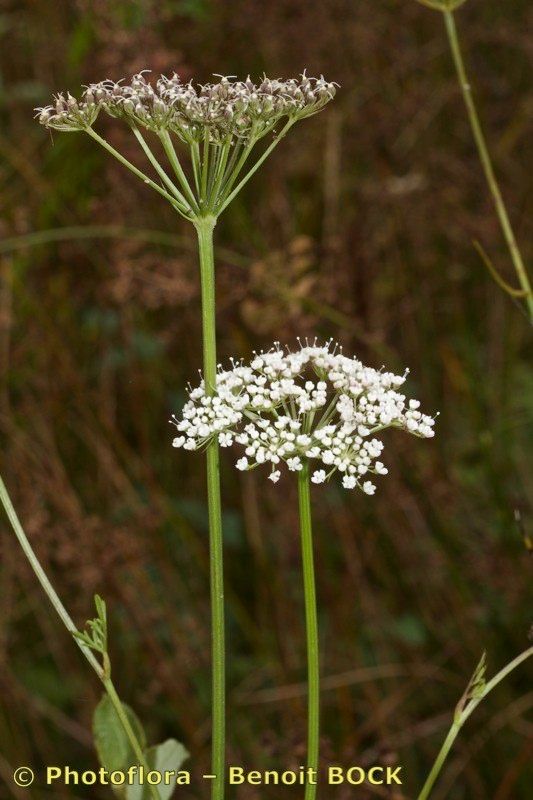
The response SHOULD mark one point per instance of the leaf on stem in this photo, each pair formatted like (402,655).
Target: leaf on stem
(112,745)
(475,688)
(95,633)
(168,756)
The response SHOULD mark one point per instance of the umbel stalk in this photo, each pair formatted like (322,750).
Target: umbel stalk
(311,623)
(204,227)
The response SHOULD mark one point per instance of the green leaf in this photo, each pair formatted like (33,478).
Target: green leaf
(475,689)
(169,755)
(112,744)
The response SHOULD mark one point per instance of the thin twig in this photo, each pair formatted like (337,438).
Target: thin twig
(486,161)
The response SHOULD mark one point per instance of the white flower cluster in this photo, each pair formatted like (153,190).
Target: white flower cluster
(315,404)
(224,110)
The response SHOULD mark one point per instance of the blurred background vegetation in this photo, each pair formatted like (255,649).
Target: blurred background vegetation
(359,228)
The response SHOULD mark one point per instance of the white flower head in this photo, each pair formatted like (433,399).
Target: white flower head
(314,405)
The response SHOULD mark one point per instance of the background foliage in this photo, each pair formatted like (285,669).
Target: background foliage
(360,228)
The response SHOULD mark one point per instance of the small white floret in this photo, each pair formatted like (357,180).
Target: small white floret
(319,476)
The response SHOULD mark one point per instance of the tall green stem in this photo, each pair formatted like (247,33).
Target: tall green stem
(486,161)
(311,621)
(204,228)
(67,621)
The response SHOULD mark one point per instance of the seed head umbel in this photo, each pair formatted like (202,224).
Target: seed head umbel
(68,114)
(228,108)
(219,123)
(314,404)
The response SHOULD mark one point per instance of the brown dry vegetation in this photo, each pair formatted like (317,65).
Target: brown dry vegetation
(360,228)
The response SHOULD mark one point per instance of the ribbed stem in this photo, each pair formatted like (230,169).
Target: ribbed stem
(311,622)
(204,228)
(439,762)
(486,162)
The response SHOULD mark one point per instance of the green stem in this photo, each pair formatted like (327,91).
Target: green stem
(256,166)
(205,167)
(67,621)
(462,718)
(205,227)
(160,171)
(229,174)
(313,666)
(235,167)
(196,165)
(172,156)
(486,161)
(219,172)
(145,179)
(439,761)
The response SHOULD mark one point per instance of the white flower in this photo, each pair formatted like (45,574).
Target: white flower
(294,464)
(274,476)
(311,405)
